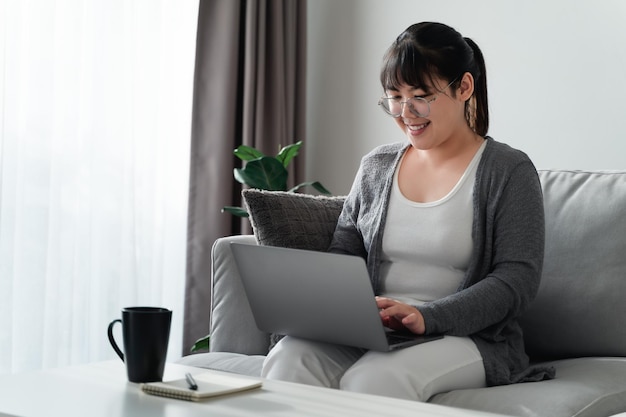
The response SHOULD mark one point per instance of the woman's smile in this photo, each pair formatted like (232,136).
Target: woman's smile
(416,129)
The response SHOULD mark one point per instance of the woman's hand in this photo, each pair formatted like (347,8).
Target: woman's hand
(398,316)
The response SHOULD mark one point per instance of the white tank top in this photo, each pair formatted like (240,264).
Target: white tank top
(427,246)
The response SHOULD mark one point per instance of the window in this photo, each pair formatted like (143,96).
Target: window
(95,117)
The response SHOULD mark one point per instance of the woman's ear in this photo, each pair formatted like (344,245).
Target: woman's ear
(466,87)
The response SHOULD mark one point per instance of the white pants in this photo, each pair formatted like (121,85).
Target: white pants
(413,373)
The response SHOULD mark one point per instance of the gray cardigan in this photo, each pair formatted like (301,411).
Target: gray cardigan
(505,270)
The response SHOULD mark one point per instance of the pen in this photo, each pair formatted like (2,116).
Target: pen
(192,383)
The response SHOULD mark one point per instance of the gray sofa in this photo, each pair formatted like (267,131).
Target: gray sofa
(576,322)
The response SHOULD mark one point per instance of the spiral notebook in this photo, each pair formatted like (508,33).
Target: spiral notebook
(209,385)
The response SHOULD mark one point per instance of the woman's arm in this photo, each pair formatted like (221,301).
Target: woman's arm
(347,239)
(514,234)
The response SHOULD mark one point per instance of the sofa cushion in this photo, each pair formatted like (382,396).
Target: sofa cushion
(579,308)
(584,387)
(237,363)
(292,220)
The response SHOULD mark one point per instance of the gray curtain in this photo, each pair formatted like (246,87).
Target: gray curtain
(249,88)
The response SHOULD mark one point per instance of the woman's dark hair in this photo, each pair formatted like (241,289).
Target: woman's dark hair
(428,50)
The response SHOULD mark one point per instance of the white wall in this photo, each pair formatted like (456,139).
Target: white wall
(556,78)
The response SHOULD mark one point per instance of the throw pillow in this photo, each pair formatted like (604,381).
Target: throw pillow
(292,220)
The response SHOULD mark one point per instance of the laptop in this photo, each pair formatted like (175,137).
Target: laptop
(314,295)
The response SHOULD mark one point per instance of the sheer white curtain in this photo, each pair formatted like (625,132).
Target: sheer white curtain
(95,119)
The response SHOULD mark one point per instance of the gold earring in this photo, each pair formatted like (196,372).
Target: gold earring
(470,112)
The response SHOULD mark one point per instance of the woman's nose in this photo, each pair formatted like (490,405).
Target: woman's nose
(405,109)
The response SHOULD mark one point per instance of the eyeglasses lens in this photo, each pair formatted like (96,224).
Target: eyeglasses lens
(417,106)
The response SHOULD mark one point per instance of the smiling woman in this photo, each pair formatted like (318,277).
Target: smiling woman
(95,104)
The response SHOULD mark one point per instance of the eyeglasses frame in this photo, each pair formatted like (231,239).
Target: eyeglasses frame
(411,107)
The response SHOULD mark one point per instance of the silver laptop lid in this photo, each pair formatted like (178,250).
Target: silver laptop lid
(315,295)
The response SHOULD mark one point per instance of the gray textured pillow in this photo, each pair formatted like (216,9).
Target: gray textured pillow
(292,220)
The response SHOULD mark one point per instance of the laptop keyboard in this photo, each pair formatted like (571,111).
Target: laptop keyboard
(394,338)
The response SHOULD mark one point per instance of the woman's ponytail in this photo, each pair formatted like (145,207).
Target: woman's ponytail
(477,108)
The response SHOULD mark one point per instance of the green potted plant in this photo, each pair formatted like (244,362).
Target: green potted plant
(267,172)
(264,173)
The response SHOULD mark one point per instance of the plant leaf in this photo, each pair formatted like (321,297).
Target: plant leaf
(265,173)
(319,187)
(287,153)
(247,153)
(236,211)
(201,344)
(315,184)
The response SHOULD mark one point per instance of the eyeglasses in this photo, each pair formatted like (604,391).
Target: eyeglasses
(419,106)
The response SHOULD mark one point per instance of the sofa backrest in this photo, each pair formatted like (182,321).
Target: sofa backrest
(580,308)
(578,311)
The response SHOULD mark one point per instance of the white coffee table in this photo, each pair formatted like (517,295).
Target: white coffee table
(101,389)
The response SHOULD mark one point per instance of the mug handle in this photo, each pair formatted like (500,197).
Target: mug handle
(112,339)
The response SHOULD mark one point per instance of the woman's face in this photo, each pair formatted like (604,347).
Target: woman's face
(446,116)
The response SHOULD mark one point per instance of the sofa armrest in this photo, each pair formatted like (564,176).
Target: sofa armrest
(232,325)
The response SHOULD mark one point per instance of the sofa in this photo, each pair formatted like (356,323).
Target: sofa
(576,323)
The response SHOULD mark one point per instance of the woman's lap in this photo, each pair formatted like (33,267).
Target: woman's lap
(415,373)
(308,362)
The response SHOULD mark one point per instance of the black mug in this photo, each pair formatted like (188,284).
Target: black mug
(146,333)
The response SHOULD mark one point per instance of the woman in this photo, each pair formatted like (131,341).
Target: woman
(451,225)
